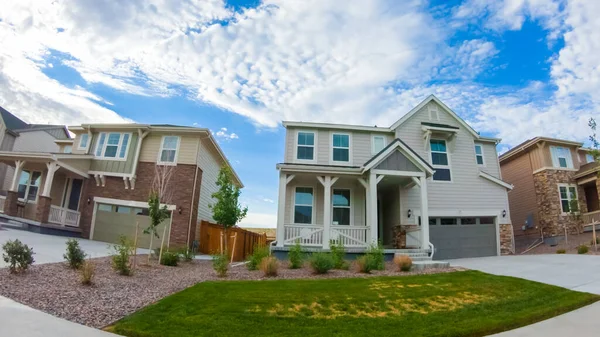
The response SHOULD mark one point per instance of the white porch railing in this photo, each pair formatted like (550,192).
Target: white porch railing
(591,217)
(2,200)
(351,236)
(306,235)
(64,216)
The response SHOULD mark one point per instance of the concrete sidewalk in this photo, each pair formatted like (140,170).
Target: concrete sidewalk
(19,320)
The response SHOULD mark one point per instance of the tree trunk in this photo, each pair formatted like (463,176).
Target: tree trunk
(225,241)
(150,248)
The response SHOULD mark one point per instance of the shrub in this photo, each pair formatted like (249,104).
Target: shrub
(87,272)
(561,251)
(259,253)
(321,263)
(296,256)
(597,241)
(18,256)
(376,252)
(169,259)
(269,266)
(220,264)
(583,249)
(366,264)
(120,259)
(403,262)
(74,254)
(337,254)
(186,254)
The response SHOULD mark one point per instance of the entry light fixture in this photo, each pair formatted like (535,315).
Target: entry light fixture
(409,213)
(504,213)
(89,200)
(180,209)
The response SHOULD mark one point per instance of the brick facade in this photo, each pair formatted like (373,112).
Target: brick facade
(506,239)
(550,214)
(184,197)
(10,204)
(42,210)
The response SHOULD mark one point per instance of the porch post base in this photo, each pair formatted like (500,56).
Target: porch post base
(42,211)
(10,204)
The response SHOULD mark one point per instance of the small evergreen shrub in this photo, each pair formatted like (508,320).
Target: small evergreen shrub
(321,263)
(269,266)
(120,259)
(87,272)
(296,256)
(561,251)
(186,254)
(583,249)
(220,264)
(366,264)
(337,254)
(169,259)
(403,262)
(376,252)
(258,254)
(74,254)
(18,256)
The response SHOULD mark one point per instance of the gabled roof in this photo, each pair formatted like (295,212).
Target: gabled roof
(530,142)
(496,180)
(444,107)
(11,121)
(398,144)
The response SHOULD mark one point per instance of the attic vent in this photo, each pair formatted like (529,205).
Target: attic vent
(433,113)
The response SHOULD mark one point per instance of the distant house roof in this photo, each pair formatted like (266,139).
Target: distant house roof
(530,142)
(16,125)
(11,121)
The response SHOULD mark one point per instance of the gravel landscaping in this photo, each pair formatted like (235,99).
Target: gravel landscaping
(55,289)
(571,248)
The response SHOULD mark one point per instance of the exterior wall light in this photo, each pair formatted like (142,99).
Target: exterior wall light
(409,213)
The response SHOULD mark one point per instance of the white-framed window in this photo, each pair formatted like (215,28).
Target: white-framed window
(303,205)
(83,141)
(561,157)
(105,208)
(568,198)
(169,146)
(479,154)
(29,185)
(67,149)
(113,145)
(440,160)
(341,206)
(378,143)
(589,158)
(340,149)
(305,145)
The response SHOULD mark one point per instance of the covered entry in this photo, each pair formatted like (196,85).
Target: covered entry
(463,237)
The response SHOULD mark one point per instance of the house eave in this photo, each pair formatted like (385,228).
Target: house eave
(496,180)
(336,126)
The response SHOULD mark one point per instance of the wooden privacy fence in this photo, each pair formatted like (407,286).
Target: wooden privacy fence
(240,241)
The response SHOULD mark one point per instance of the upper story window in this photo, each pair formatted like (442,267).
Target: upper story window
(112,145)
(168,150)
(479,154)
(303,205)
(341,147)
(439,160)
(589,158)
(561,157)
(305,146)
(341,207)
(83,141)
(568,198)
(67,149)
(29,184)
(378,143)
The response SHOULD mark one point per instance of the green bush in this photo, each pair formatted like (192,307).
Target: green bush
(296,256)
(18,256)
(561,251)
(583,249)
(376,252)
(259,253)
(120,259)
(337,254)
(366,264)
(220,264)
(186,254)
(321,263)
(74,254)
(169,259)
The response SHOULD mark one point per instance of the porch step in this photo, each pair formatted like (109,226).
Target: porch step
(14,224)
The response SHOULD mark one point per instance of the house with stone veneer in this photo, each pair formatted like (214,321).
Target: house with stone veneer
(100,187)
(555,187)
(429,186)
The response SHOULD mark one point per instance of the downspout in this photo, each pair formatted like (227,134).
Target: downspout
(194,192)
(141,136)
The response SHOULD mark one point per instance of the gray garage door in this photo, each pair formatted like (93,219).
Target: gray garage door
(455,238)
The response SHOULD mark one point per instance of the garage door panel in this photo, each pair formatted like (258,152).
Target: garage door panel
(459,241)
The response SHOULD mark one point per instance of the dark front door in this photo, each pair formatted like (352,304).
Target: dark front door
(591,197)
(76,186)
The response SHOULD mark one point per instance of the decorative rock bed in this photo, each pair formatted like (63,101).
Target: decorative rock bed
(55,289)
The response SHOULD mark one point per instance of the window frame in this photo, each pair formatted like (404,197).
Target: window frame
(334,162)
(482,155)
(448,167)
(119,146)
(314,146)
(79,147)
(28,185)
(569,159)
(160,150)
(373,150)
(69,147)
(560,199)
(587,158)
(313,206)
(351,215)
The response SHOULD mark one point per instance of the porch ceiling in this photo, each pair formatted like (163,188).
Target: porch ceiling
(69,163)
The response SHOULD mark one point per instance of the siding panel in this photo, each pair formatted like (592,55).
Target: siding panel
(210,163)
(522,199)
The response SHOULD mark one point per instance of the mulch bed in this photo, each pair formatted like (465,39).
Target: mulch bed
(56,289)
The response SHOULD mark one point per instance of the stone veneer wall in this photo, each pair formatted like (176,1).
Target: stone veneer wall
(506,239)
(551,218)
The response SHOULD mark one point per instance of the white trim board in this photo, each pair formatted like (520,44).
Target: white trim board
(129,203)
(496,180)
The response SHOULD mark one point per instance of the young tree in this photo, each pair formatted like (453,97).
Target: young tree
(161,193)
(227,211)
(595,152)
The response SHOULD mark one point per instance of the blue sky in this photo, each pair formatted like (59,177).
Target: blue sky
(514,69)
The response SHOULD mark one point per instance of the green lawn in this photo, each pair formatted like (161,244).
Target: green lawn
(450,304)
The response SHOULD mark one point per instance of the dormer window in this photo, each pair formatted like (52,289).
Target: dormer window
(83,141)
(305,146)
(589,158)
(561,157)
(341,147)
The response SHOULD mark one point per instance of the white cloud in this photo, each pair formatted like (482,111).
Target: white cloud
(223,134)
(271,201)
(259,220)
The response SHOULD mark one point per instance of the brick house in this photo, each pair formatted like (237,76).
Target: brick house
(555,187)
(100,189)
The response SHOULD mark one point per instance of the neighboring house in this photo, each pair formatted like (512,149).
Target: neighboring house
(427,180)
(17,135)
(553,178)
(97,185)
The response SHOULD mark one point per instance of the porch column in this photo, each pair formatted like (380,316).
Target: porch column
(12,196)
(52,168)
(424,214)
(284,179)
(18,169)
(42,211)
(372,207)
(327,182)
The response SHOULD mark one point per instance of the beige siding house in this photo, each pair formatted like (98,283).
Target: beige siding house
(428,183)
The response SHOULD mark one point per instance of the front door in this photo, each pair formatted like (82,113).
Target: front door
(76,185)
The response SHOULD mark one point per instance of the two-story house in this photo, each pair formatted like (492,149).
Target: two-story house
(97,185)
(556,187)
(429,183)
